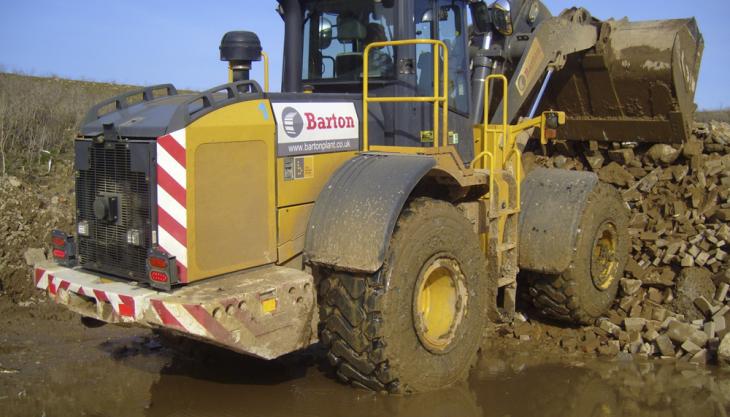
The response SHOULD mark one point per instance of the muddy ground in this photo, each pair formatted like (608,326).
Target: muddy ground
(51,365)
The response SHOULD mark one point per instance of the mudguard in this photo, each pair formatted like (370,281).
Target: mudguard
(356,212)
(553,202)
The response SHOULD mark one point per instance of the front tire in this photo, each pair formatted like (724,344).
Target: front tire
(416,324)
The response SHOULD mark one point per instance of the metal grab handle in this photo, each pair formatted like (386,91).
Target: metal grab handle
(266,71)
(121,101)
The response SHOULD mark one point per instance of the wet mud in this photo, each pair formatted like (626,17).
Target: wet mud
(53,366)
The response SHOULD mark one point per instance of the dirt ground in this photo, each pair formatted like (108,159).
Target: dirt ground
(52,365)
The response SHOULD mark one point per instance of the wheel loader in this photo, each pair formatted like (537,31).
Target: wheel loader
(378,203)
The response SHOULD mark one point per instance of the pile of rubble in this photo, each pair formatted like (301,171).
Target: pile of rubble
(673,300)
(646,320)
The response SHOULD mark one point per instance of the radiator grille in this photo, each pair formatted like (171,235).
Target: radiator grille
(106,248)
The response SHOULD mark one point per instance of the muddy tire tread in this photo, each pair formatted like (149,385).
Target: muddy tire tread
(351,317)
(558,297)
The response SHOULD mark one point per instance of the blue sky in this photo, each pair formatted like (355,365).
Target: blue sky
(154,41)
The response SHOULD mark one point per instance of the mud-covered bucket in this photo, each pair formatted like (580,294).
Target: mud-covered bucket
(637,85)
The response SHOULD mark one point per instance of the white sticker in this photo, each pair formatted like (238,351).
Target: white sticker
(311,128)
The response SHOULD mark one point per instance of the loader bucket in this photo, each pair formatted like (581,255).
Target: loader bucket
(637,85)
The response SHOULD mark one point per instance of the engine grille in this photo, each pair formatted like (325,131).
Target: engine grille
(106,248)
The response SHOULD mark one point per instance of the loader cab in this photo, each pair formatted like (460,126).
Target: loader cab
(325,41)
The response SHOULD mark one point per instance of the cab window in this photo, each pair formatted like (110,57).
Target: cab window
(446,25)
(336,34)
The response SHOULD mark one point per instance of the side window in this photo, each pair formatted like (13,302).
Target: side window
(448,21)
(424,54)
(451,32)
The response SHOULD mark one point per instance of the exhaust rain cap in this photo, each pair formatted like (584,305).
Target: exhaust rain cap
(240,48)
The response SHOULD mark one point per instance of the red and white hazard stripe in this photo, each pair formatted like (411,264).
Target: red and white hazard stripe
(172,217)
(189,318)
(128,307)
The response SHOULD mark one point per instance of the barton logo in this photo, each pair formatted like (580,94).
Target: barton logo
(293,122)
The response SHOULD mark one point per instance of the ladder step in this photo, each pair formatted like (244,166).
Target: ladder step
(504,281)
(506,246)
(506,212)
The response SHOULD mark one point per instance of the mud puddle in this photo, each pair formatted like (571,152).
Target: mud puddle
(51,367)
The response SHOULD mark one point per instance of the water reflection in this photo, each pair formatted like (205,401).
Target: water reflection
(294,386)
(504,384)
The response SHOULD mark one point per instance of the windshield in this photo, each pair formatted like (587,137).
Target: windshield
(336,34)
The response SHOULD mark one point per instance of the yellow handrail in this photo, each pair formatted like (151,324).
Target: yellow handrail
(266,71)
(438,99)
(509,150)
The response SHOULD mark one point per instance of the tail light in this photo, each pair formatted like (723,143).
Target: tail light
(64,249)
(161,270)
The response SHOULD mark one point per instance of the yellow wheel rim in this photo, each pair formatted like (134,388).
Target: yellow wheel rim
(439,303)
(604,259)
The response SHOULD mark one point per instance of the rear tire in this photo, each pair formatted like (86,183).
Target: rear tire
(416,324)
(585,291)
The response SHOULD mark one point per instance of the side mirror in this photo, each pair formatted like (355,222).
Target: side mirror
(325,33)
(480,16)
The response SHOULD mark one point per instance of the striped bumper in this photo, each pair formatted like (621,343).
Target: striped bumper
(264,313)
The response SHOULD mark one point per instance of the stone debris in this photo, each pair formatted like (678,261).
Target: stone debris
(673,299)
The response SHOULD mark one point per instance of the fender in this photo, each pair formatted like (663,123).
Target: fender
(355,214)
(553,202)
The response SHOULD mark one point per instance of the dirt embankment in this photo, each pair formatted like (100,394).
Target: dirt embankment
(38,120)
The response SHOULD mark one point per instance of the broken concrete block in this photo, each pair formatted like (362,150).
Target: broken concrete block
(663,154)
(615,174)
(595,160)
(722,291)
(690,347)
(651,335)
(622,156)
(688,261)
(659,314)
(655,295)
(609,327)
(700,357)
(681,332)
(704,306)
(725,309)
(702,259)
(634,324)
(647,312)
(693,147)
(630,286)
(665,345)
(667,322)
